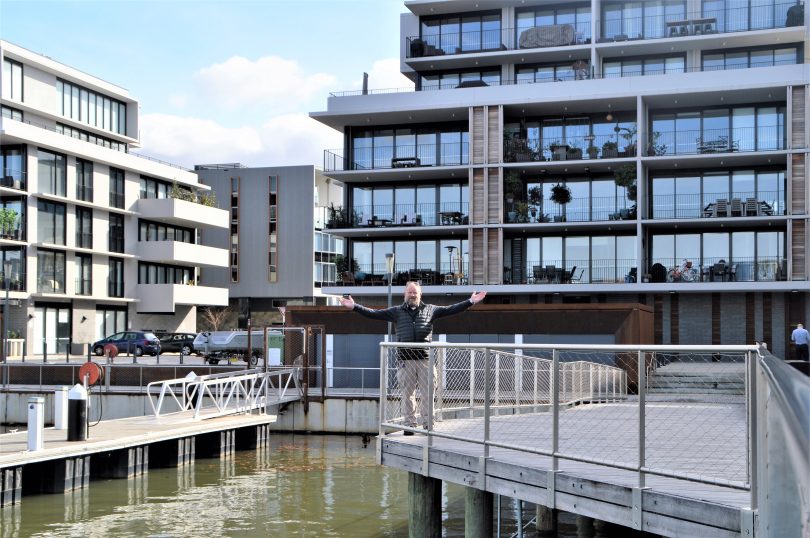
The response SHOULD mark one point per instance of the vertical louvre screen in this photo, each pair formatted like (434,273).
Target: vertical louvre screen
(798,183)
(478,196)
(799,252)
(477,135)
(494,134)
(799,117)
(494,253)
(494,196)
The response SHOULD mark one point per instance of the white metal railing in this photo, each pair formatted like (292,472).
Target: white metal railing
(217,395)
(585,403)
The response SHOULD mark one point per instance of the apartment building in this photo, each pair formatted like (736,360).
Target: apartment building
(94,239)
(605,151)
(279,254)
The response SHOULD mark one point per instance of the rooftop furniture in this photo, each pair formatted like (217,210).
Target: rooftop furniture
(551,273)
(405,162)
(576,277)
(751,207)
(347,279)
(538,273)
(552,35)
(718,272)
(721,208)
(736,207)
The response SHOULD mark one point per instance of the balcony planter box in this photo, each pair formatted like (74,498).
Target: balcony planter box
(574,154)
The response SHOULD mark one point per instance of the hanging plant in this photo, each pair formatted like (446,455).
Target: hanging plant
(625,176)
(560,194)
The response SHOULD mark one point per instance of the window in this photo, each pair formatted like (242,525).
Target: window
(272,257)
(633,20)
(14,226)
(744,15)
(11,113)
(115,280)
(632,67)
(116,188)
(84,180)
(52,178)
(455,34)
(50,271)
(12,164)
(84,274)
(12,80)
(93,138)
(430,258)
(460,79)
(234,250)
(154,188)
(91,108)
(15,279)
(84,227)
(158,231)
(110,320)
(116,233)
(743,59)
(578,17)
(156,273)
(50,222)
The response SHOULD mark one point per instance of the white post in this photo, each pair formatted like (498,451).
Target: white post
(36,422)
(60,408)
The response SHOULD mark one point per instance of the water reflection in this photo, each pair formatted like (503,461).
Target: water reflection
(298,486)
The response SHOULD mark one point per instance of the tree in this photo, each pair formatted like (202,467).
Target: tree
(215,317)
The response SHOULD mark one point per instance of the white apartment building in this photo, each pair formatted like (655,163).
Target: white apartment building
(94,239)
(596,151)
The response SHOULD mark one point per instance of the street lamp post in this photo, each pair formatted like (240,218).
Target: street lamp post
(7,285)
(389,267)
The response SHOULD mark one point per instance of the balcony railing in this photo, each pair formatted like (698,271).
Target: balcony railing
(387,157)
(117,200)
(84,193)
(613,146)
(723,140)
(585,209)
(585,271)
(716,269)
(84,240)
(13,179)
(15,283)
(50,283)
(721,204)
(387,215)
(115,288)
(707,22)
(445,273)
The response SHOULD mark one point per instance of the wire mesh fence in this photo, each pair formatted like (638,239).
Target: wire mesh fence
(676,412)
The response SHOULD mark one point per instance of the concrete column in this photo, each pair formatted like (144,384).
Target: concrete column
(585,527)
(478,506)
(546,519)
(424,506)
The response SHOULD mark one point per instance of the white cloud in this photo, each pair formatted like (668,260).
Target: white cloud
(385,74)
(178,100)
(269,81)
(291,139)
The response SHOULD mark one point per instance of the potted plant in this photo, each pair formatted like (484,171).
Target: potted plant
(514,190)
(610,150)
(521,211)
(655,148)
(558,151)
(560,194)
(625,176)
(574,152)
(593,152)
(535,200)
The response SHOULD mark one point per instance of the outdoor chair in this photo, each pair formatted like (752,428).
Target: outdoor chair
(577,278)
(538,273)
(551,272)
(736,207)
(718,272)
(348,279)
(568,277)
(751,207)
(721,208)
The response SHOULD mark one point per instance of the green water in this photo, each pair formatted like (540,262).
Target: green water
(303,485)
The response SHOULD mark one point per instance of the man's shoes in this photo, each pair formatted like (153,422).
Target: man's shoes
(407,432)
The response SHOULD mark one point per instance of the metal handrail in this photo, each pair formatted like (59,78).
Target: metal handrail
(218,395)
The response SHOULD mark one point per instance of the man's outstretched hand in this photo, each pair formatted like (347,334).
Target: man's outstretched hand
(476,298)
(347,302)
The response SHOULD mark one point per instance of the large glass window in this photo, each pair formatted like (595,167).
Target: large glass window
(423,205)
(272,269)
(116,233)
(15,279)
(12,80)
(455,34)
(154,188)
(84,227)
(396,148)
(741,59)
(51,173)
(580,259)
(12,166)
(743,15)
(50,271)
(50,222)
(576,16)
(158,231)
(637,20)
(116,188)
(84,274)
(110,320)
(156,273)
(115,278)
(84,180)
(86,106)
(459,79)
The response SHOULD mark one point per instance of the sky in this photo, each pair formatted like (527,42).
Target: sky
(221,81)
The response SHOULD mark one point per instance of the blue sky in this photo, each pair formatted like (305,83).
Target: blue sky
(221,81)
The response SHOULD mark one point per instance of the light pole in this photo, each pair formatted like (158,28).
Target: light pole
(450,250)
(389,267)
(7,285)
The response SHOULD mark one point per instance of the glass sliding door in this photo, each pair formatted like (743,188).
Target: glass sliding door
(51,329)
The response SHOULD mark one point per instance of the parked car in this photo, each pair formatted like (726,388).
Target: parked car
(178,343)
(136,342)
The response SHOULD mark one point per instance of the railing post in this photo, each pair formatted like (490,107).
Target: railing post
(44,350)
(590,381)
(383,399)
(431,392)
(472,383)
(555,409)
(642,430)
(753,455)
(487,373)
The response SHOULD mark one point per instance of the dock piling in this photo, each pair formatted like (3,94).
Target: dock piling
(425,508)
(36,422)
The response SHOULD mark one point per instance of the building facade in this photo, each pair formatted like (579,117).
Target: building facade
(94,238)
(279,254)
(597,151)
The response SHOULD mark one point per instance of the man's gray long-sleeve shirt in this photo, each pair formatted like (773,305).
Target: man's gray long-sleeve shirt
(413,324)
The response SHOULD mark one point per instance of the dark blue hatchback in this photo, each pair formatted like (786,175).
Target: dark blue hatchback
(135,342)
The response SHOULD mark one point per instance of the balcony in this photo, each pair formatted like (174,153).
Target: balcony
(174,252)
(402,215)
(586,209)
(719,205)
(589,147)
(165,297)
(390,157)
(181,212)
(442,274)
(553,272)
(707,141)
(717,270)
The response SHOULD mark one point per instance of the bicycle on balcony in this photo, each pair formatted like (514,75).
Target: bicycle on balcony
(683,273)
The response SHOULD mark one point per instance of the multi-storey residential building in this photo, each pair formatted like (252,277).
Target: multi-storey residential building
(279,253)
(590,151)
(95,239)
